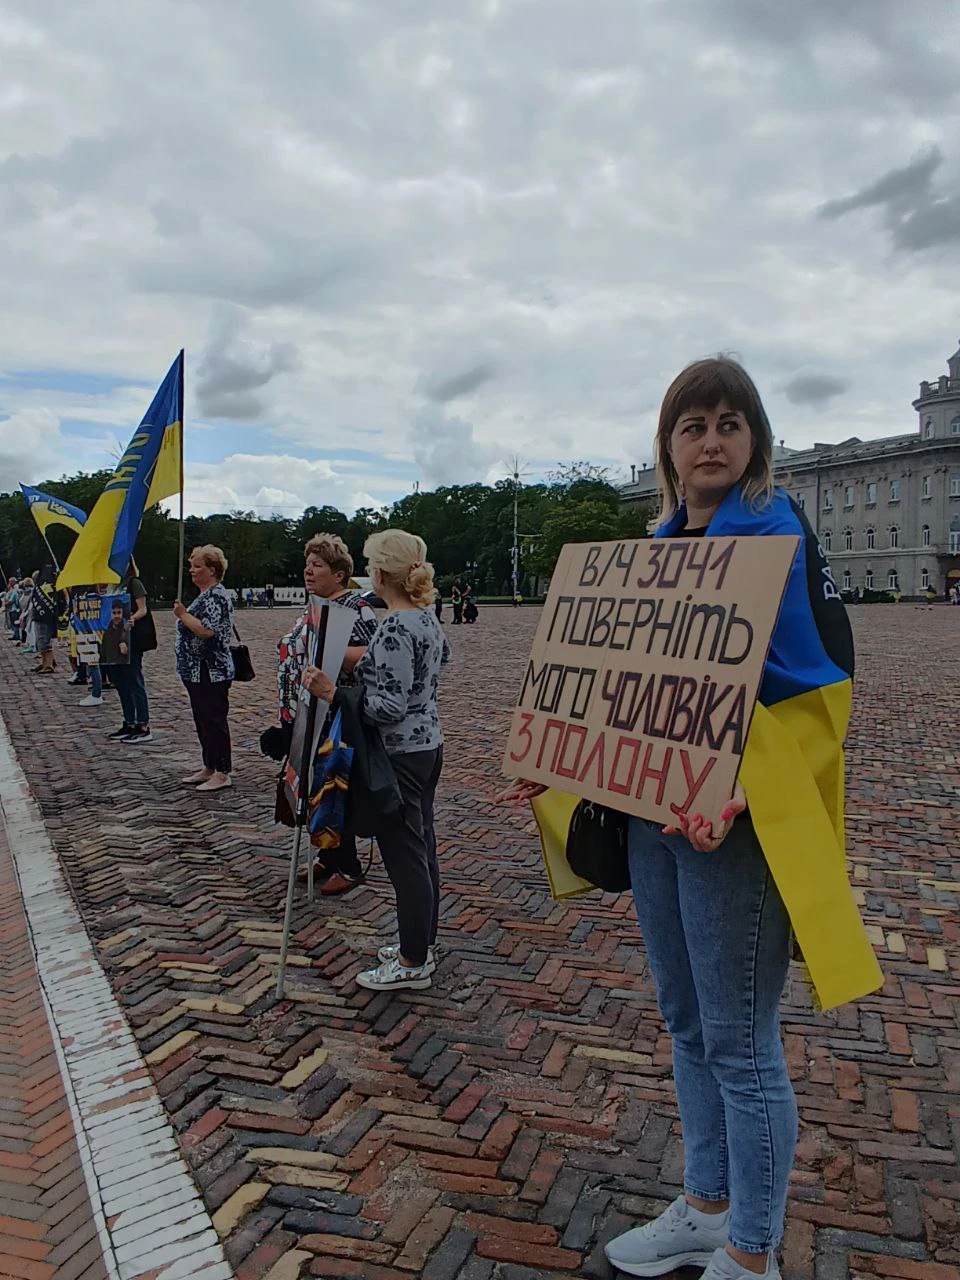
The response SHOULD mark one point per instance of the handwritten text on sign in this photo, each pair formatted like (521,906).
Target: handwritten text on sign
(645,670)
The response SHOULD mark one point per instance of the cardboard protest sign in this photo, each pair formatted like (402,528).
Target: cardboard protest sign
(329,627)
(94,618)
(645,669)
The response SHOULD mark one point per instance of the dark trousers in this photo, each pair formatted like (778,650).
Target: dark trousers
(408,847)
(210,704)
(130,685)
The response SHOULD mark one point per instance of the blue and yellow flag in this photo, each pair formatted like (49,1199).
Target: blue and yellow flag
(792,770)
(48,510)
(151,469)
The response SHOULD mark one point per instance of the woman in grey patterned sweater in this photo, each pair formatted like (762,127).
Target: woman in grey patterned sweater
(400,676)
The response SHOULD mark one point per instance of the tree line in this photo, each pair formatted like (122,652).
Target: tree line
(468,530)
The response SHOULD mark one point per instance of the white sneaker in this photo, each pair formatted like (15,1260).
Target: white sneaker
(394,976)
(722,1267)
(392,952)
(680,1237)
(91,701)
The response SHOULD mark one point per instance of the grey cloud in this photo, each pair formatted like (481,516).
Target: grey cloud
(234,367)
(445,450)
(937,222)
(898,187)
(460,384)
(815,389)
(917,216)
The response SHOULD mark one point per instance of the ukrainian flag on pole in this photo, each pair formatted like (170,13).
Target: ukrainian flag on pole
(151,469)
(47,510)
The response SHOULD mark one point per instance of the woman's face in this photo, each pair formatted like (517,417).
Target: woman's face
(319,579)
(711,450)
(201,575)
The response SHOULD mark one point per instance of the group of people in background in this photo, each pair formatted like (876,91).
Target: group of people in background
(395,664)
(36,613)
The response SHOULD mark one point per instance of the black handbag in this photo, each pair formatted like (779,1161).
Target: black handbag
(597,846)
(145,634)
(243,671)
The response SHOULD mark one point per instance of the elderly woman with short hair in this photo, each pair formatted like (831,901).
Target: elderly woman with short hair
(327,569)
(205,664)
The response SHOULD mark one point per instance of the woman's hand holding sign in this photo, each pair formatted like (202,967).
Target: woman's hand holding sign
(707,837)
(319,684)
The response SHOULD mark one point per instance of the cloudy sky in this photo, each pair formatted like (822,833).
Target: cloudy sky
(402,240)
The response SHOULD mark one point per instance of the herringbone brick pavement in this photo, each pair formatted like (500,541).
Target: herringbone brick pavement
(47,1229)
(503,1124)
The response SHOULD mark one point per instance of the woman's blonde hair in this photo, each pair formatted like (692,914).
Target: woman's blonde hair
(703,385)
(401,560)
(213,558)
(334,553)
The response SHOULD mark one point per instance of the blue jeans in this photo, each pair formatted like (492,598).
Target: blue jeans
(96,681)
(718,941)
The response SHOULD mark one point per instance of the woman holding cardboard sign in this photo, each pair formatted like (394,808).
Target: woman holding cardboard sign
(720,896)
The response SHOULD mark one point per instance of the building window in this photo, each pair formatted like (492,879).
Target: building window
(871,538)
(868,579)
(892,581)
(847,580)
(872,493)
(828,499)
(801,502)
(827,540)
(955,427)
(928,429)
(848,495)
(927,489)
(955,486)
(925,579)
(894,490)
(848,539)
(894,536)
(955,537)
(925,536)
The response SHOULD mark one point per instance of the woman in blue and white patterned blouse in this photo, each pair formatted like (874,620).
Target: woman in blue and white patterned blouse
(205,664)
(400,676)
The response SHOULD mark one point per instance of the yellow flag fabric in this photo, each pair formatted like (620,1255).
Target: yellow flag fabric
(151,469)
(792,774)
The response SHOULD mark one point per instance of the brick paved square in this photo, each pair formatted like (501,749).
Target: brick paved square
(507,1121)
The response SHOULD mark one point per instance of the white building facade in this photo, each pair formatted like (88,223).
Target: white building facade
(886,511)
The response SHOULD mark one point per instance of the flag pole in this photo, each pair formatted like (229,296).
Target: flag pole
(50,549)
(183,427)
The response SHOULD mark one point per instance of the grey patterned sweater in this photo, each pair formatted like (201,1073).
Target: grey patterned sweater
(400,676)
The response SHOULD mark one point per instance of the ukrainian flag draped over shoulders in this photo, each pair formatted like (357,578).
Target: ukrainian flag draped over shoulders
(793,765)
(150,470)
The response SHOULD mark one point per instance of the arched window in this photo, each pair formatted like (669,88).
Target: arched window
(871,538)
(847,580)
(925,536)
(868,579)
(928,429)
(894,536)
(925,579)
(827,540)
(927,489)
(893,582)
(848,539)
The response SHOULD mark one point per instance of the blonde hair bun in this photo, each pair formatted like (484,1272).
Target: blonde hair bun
(401,560)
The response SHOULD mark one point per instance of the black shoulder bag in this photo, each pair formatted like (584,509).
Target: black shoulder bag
(597,846)
(243,671)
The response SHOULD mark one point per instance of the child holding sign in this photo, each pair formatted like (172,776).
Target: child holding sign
(720,895)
